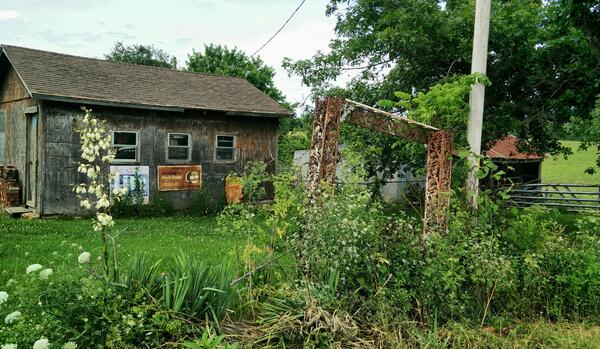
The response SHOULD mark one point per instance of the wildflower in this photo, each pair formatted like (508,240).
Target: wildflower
(69,345)
(33,268)
(103,202)
(44,274)
(105,219)
(84,258)
(9,346)
(41,343)
(91,172)
(12,317)
(3,297)
(86,204)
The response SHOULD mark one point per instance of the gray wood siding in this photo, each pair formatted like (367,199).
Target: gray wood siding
(14,99)
(256,140)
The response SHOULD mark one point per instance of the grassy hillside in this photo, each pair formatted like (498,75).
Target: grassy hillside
(571,170)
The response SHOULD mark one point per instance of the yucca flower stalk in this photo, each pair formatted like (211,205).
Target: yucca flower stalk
(96,154)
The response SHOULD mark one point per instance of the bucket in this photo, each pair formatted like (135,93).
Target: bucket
(233,189)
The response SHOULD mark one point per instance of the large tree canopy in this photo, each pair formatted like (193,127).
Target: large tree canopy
(142,55)
(217,59)
(542,63)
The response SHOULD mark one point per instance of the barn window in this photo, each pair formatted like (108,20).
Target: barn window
(2,135)
(126,146)
(179,147)
(225,149)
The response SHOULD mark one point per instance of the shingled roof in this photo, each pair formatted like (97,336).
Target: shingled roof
(506,149)
(55,76)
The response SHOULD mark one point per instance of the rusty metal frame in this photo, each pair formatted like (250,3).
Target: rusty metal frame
(331,111)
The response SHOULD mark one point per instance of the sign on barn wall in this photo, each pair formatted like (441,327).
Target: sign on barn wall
(185,177)
(127,179)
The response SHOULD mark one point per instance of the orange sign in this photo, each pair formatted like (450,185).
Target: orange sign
(185,177)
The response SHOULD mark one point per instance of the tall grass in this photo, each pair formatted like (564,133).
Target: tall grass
(188,285)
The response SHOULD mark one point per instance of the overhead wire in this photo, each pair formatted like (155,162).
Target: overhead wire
(280,29)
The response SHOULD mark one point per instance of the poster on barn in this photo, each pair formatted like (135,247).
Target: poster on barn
(186,177)
(132,178)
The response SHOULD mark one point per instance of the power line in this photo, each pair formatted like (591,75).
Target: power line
(278,30)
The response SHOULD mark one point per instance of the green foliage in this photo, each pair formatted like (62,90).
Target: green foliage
(141,55)
(294,134)
(587,131)
(131,206)
(543,62)
(444,106)
(341,235)
(197,290)
(217,59)
(205,203)
(210,340)
(253,180)
(77,305)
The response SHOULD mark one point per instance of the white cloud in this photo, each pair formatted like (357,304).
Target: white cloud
(6,15)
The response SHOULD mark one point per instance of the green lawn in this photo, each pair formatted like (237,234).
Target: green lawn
(57,242)
(571,170)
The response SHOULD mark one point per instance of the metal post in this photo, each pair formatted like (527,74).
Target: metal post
(477,95)
(324,148)
(437,187)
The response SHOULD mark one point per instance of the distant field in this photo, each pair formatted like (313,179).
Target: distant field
(571,170)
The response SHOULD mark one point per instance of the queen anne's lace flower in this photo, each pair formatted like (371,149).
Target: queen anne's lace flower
(84,258)
(9,346)
(33,268)
(44,274)
(12,317)
(69,345)
(3,297)
(41,343)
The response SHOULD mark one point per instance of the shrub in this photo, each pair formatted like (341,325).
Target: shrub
(157,207)
(342,235)
(204,203)
(149,303)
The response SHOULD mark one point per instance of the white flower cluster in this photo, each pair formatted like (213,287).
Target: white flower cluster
(10,318)
(84,258)
(96,152)
(33,268)
(3,297)
(41,343)
(9,346)
(44,274)
(69,345)
(95,140)
(103,220)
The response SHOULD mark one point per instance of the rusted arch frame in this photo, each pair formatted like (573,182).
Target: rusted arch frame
(329,113)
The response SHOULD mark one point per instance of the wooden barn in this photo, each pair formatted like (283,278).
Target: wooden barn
(165,125)
(520,167)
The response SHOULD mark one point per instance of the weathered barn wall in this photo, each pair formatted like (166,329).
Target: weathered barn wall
(256,140)
(14,99)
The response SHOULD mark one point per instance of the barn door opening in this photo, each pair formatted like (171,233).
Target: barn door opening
(32,161)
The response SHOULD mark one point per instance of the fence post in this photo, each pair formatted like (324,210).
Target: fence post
(437,186)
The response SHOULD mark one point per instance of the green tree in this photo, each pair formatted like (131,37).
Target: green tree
(141,55)
(217,59)
(541,64)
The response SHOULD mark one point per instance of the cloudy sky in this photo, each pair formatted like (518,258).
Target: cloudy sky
(90,28)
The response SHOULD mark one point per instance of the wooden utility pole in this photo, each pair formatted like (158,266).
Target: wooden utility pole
(476,97)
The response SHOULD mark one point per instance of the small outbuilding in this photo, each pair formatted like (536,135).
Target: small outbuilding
(177,131)
(520,167)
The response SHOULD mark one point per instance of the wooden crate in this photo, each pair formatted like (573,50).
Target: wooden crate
(10,193)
